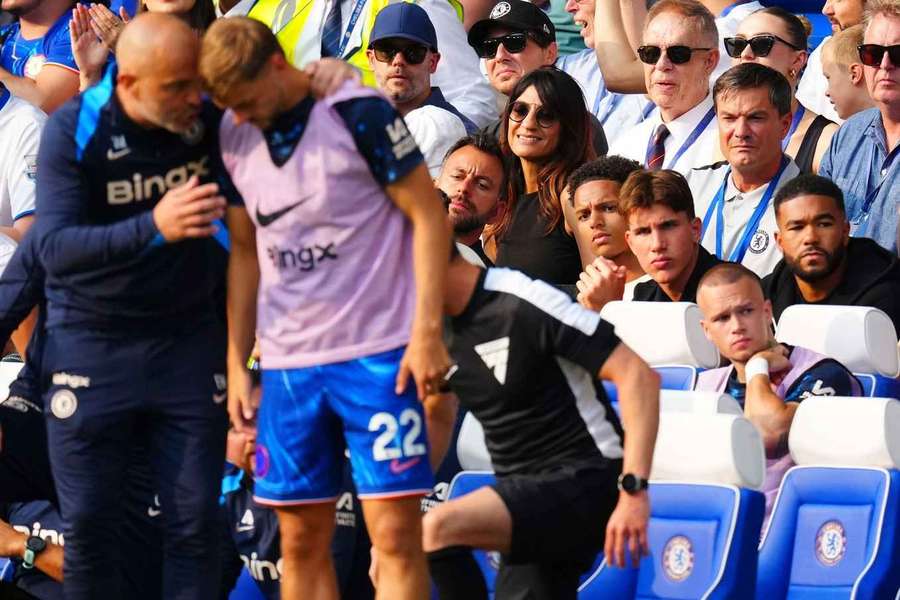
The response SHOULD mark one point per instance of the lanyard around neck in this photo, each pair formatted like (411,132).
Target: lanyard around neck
(354,17)
(718,205)
(695,134)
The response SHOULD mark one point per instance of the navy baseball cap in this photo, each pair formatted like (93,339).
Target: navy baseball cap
(516,15)
(404,20)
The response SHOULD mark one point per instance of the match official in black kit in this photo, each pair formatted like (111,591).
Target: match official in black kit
(528,365)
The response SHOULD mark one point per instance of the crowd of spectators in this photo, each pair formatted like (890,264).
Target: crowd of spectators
(676,151)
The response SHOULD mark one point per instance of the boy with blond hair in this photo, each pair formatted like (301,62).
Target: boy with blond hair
(844,72)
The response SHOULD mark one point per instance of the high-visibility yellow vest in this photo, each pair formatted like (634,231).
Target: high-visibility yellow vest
(287,18)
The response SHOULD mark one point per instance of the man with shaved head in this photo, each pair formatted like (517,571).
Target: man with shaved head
(768,379)
(130,197)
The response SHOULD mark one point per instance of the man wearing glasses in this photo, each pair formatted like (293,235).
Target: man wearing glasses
(403,54)
(679,52)
(862,159)
(514,40)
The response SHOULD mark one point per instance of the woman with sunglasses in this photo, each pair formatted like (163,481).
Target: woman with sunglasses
(544,131)
(777,39)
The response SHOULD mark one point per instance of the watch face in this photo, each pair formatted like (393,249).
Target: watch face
(629,483)
(35,544)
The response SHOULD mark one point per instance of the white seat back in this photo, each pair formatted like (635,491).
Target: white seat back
(862,338)
(708,403)
(470,448)
(708,448)
(663,333)
(846,431)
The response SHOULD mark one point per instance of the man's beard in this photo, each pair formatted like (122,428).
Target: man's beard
(466,224)
(832,261)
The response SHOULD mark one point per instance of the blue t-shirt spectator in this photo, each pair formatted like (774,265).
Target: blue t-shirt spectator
(861,164)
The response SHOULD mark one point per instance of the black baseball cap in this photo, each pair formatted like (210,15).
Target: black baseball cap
(517,15)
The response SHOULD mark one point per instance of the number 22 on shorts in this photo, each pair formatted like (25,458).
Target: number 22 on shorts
(385,447)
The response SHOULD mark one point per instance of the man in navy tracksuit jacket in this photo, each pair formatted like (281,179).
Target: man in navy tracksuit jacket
(133,343)
(27,495)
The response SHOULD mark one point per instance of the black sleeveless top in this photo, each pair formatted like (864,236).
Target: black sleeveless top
(551,257)
(807,150)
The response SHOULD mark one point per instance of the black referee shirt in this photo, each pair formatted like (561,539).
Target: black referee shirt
(527,359)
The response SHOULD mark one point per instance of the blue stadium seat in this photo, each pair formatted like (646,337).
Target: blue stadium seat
(702,540)
(464,483)
(246,588)
(677,377)
(860,337)
(835,527)
(6,570)
(833,534)
(668,336)
(705,516)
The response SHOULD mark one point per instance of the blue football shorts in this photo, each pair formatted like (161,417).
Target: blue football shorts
(309,416)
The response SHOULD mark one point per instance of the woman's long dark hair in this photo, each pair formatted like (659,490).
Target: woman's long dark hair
(200,17)
(562,95)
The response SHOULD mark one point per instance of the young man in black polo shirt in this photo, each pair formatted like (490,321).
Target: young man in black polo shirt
(528,365)
(664,234)
(822,264)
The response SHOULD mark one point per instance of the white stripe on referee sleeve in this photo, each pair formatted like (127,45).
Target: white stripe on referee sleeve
(544,296)
(592,411)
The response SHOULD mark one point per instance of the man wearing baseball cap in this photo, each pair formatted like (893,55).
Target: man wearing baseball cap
(403,55)
(517,38)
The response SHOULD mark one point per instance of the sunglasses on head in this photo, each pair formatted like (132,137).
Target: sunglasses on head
(519,111)
(760,45)
(413,54)
(513,42)
(677,54)
(871,55)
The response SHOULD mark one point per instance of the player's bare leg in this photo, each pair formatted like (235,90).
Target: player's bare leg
(479,520)
(395,527)
(306,532)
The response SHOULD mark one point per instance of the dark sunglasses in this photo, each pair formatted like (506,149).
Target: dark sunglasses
(513,42)
(519,111)
(413,54)
(677,54)
(871,55)
(760,45)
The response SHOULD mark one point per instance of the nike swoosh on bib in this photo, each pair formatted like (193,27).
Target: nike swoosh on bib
(266,220)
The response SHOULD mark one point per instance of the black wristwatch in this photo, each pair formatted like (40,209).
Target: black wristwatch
(33,546)
(631,483)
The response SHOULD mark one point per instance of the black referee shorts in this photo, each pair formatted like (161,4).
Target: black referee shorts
(558,528)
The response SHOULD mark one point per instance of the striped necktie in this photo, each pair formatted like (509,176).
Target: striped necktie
(658,151)
(331,30)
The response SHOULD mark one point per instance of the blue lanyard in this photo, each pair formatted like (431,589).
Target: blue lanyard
(892,161)
(354,17)
(647,110)
(795,122)
(4,96)
(718,204)
(696,133)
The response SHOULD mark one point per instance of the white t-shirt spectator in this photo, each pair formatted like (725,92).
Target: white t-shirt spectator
(21,124)
(434,130)
(459,71)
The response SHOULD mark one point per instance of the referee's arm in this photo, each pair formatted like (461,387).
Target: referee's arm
(638,391)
